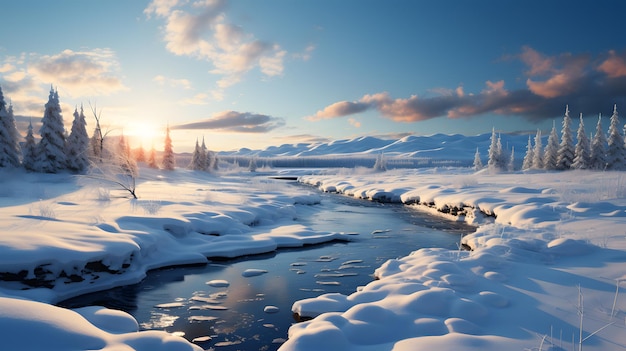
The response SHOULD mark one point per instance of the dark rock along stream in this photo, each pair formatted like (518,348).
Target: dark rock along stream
(234,317)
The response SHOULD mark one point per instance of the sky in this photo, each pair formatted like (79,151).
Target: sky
(253,74)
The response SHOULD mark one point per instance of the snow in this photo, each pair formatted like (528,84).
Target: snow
(548,254)
(540,238)
(66,235)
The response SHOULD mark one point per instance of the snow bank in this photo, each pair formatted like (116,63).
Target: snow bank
(30,325)
(546,242)
(64,236)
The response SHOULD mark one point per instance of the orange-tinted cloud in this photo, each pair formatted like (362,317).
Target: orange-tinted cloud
(614,66)
(552,82)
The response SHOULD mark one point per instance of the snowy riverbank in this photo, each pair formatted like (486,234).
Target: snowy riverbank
(549,248)
(547,258)
(64,236)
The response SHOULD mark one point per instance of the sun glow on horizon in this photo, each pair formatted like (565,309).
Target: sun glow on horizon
(142,134)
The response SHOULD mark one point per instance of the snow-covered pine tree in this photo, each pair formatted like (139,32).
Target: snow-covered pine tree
(616,150)
(510,166)
(565,153)
(9,136)
(152,163)
(528,157)
(551,150)
(252,165)
(504,156)
(212,160)
(169,163)
(538,151)
(381,163)
(582,152)
(77,146)
(29,151)
(51,148)
(478,164)
(495,151)
(204,162)
(598,148)
(198,160)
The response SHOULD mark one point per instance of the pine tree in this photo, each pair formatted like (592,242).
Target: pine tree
(598,148)
(152,158)
(616,150)
(565,154)
(51,148)
(212,160)
(198,160)
(538,152)
(252,165)
(77,146)
(528,157)
(30,150)
(510,166)
(582,153)
(169,163)
(204,161)
(478,164)
(495,151)
(381,163)
(9,136)
(550,152)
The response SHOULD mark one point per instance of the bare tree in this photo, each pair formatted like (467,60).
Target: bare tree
(120,169)
(97,139)
(121,172)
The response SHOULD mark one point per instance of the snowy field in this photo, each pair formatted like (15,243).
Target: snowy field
(548,257)
(546,270)
(65,235)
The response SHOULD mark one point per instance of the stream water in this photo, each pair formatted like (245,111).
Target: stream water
(245,303)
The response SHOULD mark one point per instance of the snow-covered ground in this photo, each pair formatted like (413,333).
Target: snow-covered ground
(548,255)
(63,235)
(546,270)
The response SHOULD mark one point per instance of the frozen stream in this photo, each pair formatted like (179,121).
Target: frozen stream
(232,313)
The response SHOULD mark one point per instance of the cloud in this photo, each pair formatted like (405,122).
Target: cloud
(306,54)
(355,123)
(614,66)
(26,78)
(198,99)
(233,121)
(340,109)
(201,30)
(587,84)
(79,73)
(172,82)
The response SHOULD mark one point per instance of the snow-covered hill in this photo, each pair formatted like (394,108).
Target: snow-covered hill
(435,147)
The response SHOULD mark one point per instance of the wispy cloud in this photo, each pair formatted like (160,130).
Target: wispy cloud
(201,29)
(172,82)
(80,73)
(354,122)
(590,84)
(26,78)
(233,121)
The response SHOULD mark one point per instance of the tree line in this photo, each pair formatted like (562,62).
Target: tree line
(55,150)
(596,152)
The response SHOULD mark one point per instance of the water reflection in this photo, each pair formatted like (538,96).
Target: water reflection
(253,311)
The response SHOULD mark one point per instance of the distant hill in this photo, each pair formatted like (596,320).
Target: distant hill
(454,147)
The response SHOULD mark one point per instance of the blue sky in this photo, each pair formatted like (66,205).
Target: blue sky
(252,73)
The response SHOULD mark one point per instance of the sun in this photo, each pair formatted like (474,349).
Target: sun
(141,134)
